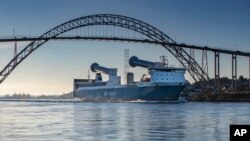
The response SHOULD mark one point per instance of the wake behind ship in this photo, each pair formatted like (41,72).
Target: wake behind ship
(163,83)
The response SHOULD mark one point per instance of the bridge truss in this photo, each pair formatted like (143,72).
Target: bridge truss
(155,36)
(143,28)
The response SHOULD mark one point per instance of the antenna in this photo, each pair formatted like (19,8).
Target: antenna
(126,65)
(164,59)
(88,76)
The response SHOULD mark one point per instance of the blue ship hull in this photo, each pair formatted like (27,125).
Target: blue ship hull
(130,92)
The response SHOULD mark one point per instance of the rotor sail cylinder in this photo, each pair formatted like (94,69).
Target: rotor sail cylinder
(96,67)
(134,61)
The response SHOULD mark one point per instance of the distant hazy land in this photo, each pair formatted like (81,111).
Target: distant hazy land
(29,96)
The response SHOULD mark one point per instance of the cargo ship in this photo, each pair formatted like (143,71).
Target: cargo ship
(162,83)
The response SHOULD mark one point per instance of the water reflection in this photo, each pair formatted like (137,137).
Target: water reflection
(123,121)
(120,121)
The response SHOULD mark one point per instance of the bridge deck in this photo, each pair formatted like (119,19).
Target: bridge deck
(219,50)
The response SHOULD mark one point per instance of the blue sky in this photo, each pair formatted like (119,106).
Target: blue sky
(51,69)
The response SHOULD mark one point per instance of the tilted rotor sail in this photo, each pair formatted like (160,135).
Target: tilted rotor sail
(95,67)
(112,72)
(134,61)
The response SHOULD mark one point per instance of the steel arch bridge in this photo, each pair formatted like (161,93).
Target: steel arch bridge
(154,34)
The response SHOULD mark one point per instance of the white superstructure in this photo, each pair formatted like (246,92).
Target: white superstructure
(167,76)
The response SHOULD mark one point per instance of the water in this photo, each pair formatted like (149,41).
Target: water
(48,120)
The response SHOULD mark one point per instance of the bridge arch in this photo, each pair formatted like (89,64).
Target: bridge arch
(154,34)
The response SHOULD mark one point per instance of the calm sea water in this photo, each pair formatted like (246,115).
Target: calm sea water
(48,120)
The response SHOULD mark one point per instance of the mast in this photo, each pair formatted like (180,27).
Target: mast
(164,59)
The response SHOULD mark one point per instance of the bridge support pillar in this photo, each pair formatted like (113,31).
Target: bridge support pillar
(15,51)
(234,72)
(192,53)
(249,75)
(217,71)
(204,66)
(204,63)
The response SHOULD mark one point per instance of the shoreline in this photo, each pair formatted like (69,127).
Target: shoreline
(219,97)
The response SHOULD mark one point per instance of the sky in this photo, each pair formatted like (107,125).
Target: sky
(52,68)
